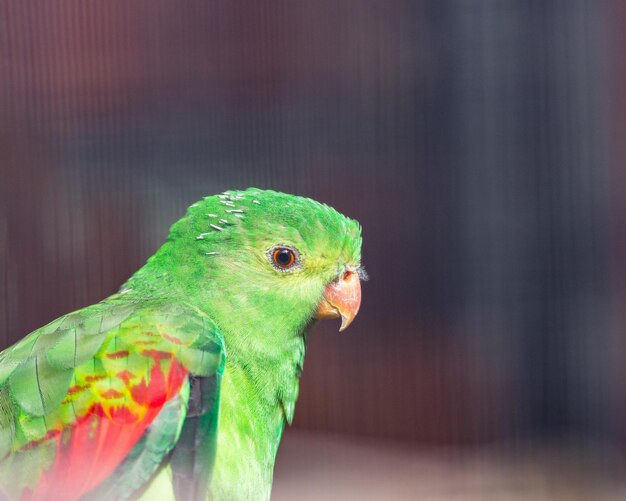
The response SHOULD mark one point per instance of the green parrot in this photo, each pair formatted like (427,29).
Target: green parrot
(179,386)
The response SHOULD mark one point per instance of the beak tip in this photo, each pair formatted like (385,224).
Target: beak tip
(345,323)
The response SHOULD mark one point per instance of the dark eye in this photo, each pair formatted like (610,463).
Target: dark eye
(283,258)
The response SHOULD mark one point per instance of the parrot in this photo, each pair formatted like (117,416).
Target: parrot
(179,386)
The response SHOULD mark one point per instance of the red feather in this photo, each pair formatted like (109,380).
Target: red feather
(89,451)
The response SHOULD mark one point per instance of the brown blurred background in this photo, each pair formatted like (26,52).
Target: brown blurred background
(480,144)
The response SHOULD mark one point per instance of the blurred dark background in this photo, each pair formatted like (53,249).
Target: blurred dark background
(480,144)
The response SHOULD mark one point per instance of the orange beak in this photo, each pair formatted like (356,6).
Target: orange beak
(341,298)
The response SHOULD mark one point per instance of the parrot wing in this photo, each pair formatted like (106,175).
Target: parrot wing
(102,393)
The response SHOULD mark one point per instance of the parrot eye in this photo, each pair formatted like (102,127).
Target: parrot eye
(283,258)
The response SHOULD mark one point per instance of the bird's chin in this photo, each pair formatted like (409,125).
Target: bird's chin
(341,299)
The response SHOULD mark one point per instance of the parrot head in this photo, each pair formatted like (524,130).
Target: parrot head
(265,260)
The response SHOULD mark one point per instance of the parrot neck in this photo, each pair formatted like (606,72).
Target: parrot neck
(255,402)
(264,356)
(265,346)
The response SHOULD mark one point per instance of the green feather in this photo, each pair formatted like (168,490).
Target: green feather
(37,387)
(73,348)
